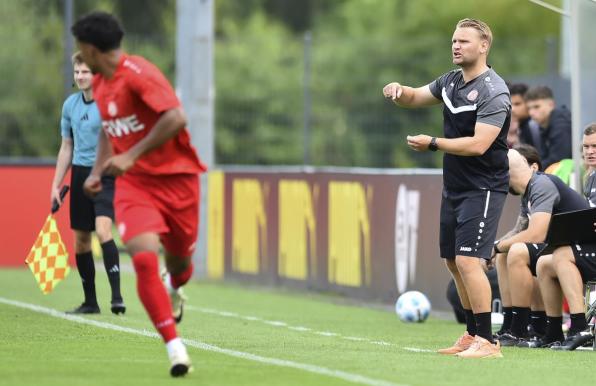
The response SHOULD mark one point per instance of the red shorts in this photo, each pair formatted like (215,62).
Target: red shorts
(166,204)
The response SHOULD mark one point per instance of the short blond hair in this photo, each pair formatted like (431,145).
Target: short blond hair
(77,58)
(480,26)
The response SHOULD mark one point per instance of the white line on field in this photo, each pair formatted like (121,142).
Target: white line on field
(414,349)
(350,377)
(278,323)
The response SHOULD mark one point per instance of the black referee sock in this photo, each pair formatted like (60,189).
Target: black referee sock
(538,321)
(554,329)
(470,322)
(111,260)
(506,320)
(578,323)
(483,326)
(86,269)
(520,321)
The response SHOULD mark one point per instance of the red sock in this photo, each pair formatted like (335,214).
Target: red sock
(153,295)
(182,278)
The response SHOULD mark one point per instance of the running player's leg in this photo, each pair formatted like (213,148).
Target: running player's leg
(180,208)
(140,224)
(144,249)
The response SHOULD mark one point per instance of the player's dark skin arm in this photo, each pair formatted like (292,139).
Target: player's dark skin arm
(166,127)
(92,184)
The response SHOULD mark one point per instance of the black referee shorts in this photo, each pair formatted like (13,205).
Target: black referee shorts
(84,210)
(469,222)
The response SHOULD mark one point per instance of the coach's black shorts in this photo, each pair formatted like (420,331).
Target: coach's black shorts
(469,222)
(585,260)
(534,251)
(83,209)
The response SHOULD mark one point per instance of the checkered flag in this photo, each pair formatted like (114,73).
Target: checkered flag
(48,258)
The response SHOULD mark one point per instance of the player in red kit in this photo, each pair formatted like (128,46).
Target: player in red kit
(144,142)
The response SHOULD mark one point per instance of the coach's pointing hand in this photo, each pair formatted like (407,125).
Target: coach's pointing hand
(419,142)
(392,91)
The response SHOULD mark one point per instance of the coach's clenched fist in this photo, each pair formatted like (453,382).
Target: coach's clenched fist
(392,91)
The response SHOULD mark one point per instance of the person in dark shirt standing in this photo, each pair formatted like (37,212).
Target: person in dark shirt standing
(555,125)
(476,112)
(589,154)
(528,130)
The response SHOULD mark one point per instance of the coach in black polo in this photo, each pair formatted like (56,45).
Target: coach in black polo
(476,113)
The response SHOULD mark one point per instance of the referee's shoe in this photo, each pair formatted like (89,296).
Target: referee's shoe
(85,309)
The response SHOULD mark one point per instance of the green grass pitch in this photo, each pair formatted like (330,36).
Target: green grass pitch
(247,336)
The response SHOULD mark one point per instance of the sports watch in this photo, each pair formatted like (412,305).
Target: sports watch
(432,146)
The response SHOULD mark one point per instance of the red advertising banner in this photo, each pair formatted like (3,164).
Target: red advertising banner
(24,206)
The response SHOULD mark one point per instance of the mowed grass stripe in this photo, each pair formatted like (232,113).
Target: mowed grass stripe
(354,378)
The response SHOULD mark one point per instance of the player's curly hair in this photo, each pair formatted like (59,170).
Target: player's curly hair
(99,29)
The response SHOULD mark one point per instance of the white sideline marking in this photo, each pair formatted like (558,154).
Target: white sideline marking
(278,323)
(354,378)
(414,349)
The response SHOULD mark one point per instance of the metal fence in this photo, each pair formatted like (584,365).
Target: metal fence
(280,99)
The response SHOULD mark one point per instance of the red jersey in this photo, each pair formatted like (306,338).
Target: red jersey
(130,103)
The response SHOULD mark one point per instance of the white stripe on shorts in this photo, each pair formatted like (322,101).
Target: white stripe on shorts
(486,204)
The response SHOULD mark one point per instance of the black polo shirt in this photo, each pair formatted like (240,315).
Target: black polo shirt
(484,99)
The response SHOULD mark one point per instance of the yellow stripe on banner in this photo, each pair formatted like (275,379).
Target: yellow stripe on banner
(297,229)
(249,225)
(215,228)
(349,234)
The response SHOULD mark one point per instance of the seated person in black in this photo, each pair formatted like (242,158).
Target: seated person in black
(543,196)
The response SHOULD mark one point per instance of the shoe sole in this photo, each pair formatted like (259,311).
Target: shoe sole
(178,318)
(118,310)
(179,370)
(450,353)
(490,356)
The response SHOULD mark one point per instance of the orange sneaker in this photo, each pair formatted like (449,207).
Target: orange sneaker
(462,344)
(482,348)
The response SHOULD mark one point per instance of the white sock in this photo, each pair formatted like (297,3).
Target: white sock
(175,346)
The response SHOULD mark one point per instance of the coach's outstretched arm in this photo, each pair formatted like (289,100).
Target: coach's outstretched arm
(166,127)
(408,96)
(484,136)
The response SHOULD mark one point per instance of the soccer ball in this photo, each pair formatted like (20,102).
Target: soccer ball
(412,306)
